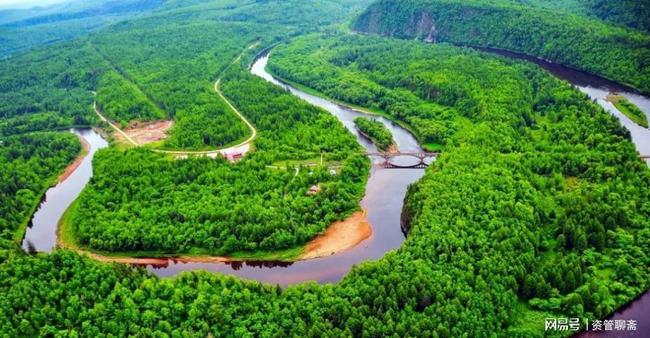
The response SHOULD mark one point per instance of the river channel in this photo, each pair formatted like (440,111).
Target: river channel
(383,201)
(385,192)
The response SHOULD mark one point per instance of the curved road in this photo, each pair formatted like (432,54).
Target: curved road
(241,148)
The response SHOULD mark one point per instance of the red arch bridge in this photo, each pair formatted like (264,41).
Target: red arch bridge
(390,159)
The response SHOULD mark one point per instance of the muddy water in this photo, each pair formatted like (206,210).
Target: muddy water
(41,233)
(383,202)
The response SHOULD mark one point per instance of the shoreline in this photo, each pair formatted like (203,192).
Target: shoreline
(85,149)
(337,238)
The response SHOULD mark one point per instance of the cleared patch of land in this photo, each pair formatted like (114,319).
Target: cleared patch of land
(149,132)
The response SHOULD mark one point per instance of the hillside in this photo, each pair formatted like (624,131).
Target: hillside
(574,40)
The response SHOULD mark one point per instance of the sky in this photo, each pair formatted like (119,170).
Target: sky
(26,3)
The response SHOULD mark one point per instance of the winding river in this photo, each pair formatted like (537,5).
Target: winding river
(598,88)
(383,201)
(385,192)
(41,231)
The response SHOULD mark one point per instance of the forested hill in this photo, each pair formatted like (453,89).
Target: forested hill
(23,29)
(564,32)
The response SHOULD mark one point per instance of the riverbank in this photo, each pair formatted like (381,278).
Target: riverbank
(85,148)
(337,238)
(368,111)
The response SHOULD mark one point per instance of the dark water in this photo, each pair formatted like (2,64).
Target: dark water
(383,202)
(598,88)
(41,232)
(638,310)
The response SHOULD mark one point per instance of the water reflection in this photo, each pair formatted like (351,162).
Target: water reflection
(41,233)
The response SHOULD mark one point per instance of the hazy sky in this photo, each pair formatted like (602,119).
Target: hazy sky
(26,3)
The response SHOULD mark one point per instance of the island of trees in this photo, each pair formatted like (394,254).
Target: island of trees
(629,109)
(376,132)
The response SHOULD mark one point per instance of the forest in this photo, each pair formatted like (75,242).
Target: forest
(375,131)
(567,37)
(536,207)
(30,163)
(139,201)
(564,210)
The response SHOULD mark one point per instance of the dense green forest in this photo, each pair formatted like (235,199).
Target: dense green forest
(523,138)
(631,13)
(579,41)
(122,101)
(140,201)
(30,164)
(375,131)
(536,208)
(23,29)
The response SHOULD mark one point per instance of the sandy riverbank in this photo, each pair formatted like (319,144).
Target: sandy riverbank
(338,237)
(77,162)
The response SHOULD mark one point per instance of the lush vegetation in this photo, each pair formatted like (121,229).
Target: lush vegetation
(537,207)
(49,88)
(530,187)
(631,13)
(375,131)
(122,101)
(629,109)
(574,40)
(141,201)
(30,164)
(23,29)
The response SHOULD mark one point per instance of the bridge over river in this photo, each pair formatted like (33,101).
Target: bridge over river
(424,159)
(400,160)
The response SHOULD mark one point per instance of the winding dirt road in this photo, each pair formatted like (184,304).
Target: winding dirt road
(241,148)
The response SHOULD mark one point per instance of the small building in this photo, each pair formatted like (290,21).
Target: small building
(314,190)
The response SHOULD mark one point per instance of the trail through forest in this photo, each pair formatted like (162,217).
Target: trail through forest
(241,148)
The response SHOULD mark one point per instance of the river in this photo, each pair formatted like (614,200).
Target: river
(385,192)
(41,231)
(598,88)
(383,201)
